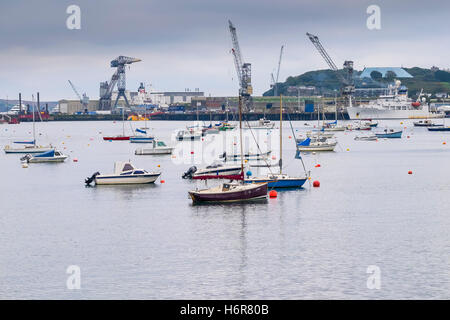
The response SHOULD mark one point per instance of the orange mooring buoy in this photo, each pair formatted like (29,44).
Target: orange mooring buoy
(273,194)
(317,165)
(316,184)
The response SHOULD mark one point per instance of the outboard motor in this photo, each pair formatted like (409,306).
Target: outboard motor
(88,180)
(188,174)
(26,158)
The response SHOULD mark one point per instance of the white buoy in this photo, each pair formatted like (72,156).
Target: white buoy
(24,165)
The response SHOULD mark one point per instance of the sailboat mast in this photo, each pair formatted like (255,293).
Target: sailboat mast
(123,122)
(281,134)
(335,107)
(240,134)
(34,126)
(318,120)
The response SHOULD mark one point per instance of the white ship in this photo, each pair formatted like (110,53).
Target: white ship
(394,105)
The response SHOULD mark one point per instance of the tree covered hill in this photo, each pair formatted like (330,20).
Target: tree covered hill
(431,80)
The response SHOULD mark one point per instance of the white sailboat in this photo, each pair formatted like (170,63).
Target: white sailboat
(317,144)
(28,146)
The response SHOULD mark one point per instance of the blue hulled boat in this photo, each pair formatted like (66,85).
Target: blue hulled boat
(438,128)
(390,134)
(279,181)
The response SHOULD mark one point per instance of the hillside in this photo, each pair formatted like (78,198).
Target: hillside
(325,81)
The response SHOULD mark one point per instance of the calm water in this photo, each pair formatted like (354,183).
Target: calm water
(149,242)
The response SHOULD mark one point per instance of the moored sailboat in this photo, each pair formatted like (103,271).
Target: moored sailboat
(231,192)
(279,180)
(28,146)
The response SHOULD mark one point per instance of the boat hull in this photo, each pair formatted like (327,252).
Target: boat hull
(332,129)
(189,138)
(257,156)
(117,138)
(27,150)
(279,183)
(47,159)
(150,151)
(321,147)
(251,193)
(134,179)
(438,128)
(220,172)
(393,135)
(140,140)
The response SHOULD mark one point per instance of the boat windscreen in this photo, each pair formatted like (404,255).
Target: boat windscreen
(127,167)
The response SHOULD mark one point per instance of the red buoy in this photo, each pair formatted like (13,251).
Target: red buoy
(273,194)
(163,181)
(409,172)
(75,160)
(192,152)
(317,165)
(316,184)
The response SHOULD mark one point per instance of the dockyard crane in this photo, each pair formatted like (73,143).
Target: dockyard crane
(83,100)
(117,78)
(348,84)
(275,80)
(244,70)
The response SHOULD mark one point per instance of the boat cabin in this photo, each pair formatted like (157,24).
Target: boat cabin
(126,168)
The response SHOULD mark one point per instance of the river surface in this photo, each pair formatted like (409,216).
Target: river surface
(150,242)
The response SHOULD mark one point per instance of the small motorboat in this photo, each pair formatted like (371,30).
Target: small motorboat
(261,124)
(124,173)
(426,123)
(158,147)
(359,126)
(372,124)
(389,134)
(217,170)
(48,156)
(189,135)
(247,156)
(230,192)
(225,126)
(370,137)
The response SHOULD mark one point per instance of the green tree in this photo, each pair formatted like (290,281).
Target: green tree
(376,75)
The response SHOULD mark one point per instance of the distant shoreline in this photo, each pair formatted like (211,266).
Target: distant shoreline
(305,116)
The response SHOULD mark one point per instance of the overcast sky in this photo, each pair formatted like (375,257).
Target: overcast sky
(186,43)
